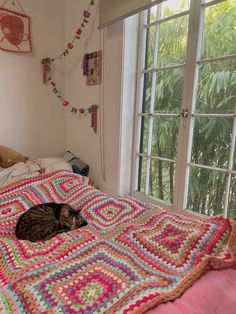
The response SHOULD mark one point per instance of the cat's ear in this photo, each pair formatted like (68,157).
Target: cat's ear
(65,211)
(80,208)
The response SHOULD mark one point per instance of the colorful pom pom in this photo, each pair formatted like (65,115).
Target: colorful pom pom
(65,103)
(70,45)
(79,31)
(86,14)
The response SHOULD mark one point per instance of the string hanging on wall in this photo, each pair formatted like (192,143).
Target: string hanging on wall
(47,73)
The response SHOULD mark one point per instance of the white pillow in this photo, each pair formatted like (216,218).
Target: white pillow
(48,165)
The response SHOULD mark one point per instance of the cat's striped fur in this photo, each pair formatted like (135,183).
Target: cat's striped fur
(41,222)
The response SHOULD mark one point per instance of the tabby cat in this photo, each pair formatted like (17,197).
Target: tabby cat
(43,221)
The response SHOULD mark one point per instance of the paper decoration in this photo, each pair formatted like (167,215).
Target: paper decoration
(92,67)
(94,117)
(46,69)
(14,31)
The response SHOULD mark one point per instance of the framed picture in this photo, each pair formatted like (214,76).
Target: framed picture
(14,31)
(94,68)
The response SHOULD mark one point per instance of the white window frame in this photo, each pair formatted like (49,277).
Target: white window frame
(192,64)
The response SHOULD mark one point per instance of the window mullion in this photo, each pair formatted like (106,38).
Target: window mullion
(188,102)
(152,104)
(169,18)
(213,2)
(230,167)
(139,99)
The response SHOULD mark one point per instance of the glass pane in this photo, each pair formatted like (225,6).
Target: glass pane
(147,92)
(164,138)
(144,134)
(162,175)
(206,191)
(232,198)
(150,44)
(153,14)
(142,174)
(217,87)
(211,141)
(219,33)
(173,41)
(171,7)
(169,88)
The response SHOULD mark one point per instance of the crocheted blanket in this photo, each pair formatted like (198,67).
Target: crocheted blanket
(130,258)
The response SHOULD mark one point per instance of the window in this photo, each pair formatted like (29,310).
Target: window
(186,107)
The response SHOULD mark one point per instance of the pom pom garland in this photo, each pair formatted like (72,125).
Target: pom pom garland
(70,45)
(66,103)
(46,63)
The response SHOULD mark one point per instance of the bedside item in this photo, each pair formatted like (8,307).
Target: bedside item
(76,163)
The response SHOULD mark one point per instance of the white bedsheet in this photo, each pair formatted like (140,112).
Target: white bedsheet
(29,169)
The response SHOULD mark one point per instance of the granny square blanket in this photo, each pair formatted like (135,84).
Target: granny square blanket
(130,258)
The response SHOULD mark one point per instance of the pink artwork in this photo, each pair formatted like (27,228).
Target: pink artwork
(14,31)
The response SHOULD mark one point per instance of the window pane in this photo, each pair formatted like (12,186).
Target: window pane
(153,14)
(142,174)
(164,137)
(219,33)
(232,198)
(169,88)
(162,175)
(211,141)
(217,87)
(150,44)
(206,191)
(147,92)
(173,41)
(171,7)
(144,134)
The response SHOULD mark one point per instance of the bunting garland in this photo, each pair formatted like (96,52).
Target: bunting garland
(47,75)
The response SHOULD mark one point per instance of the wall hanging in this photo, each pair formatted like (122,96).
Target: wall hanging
(48,62)
(14,30)
(92,67)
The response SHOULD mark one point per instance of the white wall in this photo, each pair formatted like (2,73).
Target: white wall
(31,118)
(101,150)
(113,71)
(80,137)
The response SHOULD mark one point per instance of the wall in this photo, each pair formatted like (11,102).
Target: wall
(101,150)
(31,118)
(33,121)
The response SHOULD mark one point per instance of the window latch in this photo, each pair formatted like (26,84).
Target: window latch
(184,113)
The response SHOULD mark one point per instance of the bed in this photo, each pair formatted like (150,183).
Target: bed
(131,258)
